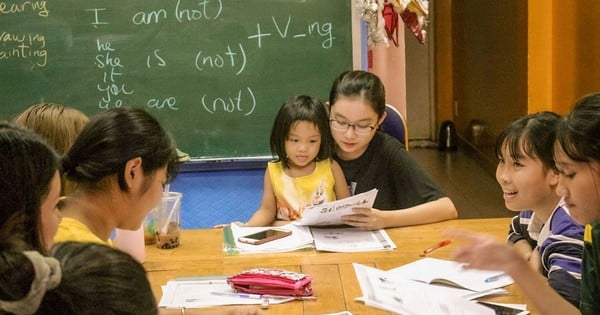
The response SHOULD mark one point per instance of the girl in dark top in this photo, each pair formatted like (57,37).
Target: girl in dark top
(372,159)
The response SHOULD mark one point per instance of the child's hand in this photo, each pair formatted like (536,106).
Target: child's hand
(481,251)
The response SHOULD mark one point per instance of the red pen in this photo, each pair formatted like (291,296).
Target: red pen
(436,246)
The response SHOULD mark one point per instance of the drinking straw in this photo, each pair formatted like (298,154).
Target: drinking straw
(164,203)
(170,216)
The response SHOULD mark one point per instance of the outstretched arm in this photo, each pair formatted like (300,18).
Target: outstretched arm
(483,252)
(341,188)
(265,215)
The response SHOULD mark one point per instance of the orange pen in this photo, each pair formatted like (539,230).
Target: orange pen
(436,246)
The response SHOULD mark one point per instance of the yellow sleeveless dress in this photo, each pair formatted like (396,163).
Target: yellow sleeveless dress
(294,194)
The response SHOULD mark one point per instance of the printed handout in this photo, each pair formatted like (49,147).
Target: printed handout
(351,240)
(330,213)
(205,293)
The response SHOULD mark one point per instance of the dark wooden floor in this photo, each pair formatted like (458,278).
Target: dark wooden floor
(468,181)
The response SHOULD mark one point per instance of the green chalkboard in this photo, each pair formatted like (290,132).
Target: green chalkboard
(214,72)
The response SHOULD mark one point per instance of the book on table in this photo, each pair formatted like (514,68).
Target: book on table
(332,239)
(416,288)
(409,297)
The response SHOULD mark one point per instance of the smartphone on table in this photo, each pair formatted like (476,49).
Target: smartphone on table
(264,236)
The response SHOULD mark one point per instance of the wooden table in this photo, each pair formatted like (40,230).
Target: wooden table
(335,285)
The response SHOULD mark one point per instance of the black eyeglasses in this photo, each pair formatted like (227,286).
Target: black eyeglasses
(362,130)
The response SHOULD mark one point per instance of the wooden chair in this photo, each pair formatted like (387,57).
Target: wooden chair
(395,125)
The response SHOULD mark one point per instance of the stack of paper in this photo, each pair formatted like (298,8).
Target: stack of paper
(410,297)
(205,292)
(409,289)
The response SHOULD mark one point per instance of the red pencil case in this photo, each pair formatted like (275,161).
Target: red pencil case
(272,281)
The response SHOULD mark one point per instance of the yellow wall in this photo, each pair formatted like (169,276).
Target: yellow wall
(539,76)
(564,53)
(444,98)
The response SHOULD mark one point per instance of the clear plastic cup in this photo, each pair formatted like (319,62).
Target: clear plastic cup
(167,220)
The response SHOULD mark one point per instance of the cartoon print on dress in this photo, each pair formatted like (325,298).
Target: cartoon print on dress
(319,196)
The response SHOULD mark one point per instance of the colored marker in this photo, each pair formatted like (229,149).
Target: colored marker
(436,246)
(494,278)
(239,295)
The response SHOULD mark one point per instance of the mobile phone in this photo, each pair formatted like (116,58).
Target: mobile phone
(502,309)
(264,236)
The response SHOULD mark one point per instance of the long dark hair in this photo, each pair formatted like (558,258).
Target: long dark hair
(96,279)
(358,83)
(579,132)
(27,166)
(114,137)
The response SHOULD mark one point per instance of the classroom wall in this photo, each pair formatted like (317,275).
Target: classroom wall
(575,42)
(389,65)
(550,47)
(405,70)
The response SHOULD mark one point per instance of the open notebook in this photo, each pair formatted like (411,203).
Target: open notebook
(439,271)
(412,297)
(400,294)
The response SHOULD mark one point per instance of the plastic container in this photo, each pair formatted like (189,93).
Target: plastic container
(131,242)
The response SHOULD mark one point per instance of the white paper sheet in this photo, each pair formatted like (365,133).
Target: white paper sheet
(351,240)
(330,213)
(199,293)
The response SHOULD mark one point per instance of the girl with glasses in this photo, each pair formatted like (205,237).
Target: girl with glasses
(372,159)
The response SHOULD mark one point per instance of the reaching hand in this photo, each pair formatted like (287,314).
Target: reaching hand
(481,251)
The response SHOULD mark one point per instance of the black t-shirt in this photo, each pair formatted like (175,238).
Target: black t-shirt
(386,165)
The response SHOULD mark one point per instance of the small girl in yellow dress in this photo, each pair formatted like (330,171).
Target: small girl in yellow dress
(303,173)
